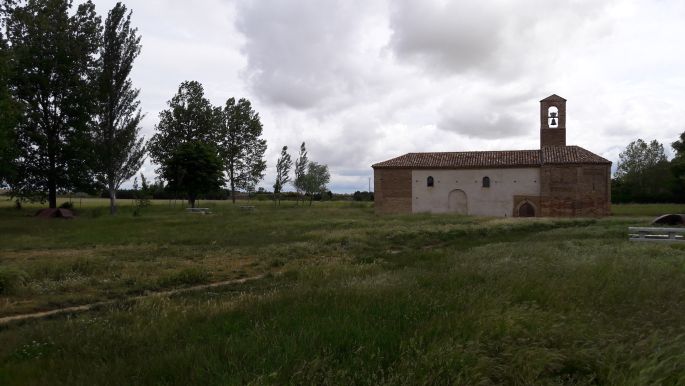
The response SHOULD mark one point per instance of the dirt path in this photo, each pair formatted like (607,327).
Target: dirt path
(88,307)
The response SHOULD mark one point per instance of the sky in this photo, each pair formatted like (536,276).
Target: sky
(363,81)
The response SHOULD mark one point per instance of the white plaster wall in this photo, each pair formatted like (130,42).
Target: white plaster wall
(497,200)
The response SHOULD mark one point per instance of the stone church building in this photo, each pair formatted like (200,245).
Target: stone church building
(554,181)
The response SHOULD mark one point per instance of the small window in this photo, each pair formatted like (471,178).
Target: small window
(430,182)
(486,182)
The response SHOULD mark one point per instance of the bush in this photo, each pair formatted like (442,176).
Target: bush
(67,205)
(11,279)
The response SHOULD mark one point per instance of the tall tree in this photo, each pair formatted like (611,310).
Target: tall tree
(678,166)
(53,65)
(117,140)
(241,146)
(643,172)
(9,117)
(679,146)
(316,179)
(283,167)
(300,172)
(189,118)
(194,168)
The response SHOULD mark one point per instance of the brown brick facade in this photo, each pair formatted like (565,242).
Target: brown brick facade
(392,190)
(575,190)
(553,136)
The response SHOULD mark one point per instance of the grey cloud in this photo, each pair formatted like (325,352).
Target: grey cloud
(490,115)
(301,53)
(487,126)
(457,36)
(490,38)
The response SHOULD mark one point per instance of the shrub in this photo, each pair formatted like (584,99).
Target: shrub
(11,279)
(67,205)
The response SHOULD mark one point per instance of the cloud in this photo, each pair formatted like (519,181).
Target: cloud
(304,53)
(490,114)
(500,38)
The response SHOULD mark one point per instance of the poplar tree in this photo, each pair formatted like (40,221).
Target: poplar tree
(283,166)
(53,52)
(241,146)
(301,163)
(9,115)
(117,140)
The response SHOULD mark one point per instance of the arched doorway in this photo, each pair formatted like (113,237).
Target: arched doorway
(526,210)
(458,202)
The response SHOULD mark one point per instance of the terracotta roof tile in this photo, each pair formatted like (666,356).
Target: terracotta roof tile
(570,155)
(494,159)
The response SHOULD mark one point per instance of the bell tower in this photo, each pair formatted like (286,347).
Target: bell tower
(553,121)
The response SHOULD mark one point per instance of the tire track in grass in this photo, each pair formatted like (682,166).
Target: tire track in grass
(91,306)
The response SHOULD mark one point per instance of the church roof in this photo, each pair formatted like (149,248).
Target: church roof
(554,98)
(549,155)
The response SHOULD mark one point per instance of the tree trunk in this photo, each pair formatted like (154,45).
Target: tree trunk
(52,194)
(191,201)
(112,200)
(232,191)
(52,185)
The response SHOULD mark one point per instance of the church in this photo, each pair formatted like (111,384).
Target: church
(556,180)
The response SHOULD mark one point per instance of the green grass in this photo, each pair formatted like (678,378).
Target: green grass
(350,298)
(651,210)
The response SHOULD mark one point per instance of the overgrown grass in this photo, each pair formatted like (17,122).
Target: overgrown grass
(652,210)
(353,299)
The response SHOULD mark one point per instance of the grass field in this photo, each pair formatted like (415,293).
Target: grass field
(349,298)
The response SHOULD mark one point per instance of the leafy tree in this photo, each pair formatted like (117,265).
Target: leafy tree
(9,117)
(678,166)
(117,140)
(189,118)
(194,168)
(240,146)
(282,173)
(679,146)
(643,173)
(638,157)
(300,171)
(53,65)
(316,179)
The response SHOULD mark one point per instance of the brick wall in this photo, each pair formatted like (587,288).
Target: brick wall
(553,137)
(575,191)
(392,190)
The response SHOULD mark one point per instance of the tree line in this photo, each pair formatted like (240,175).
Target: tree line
(645,174)
(70,117)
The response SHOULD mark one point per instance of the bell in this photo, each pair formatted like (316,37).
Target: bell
(554,122)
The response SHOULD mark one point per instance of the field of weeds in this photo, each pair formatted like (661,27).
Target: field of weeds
(348,298)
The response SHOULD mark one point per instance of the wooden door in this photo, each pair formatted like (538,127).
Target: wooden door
(526,210)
